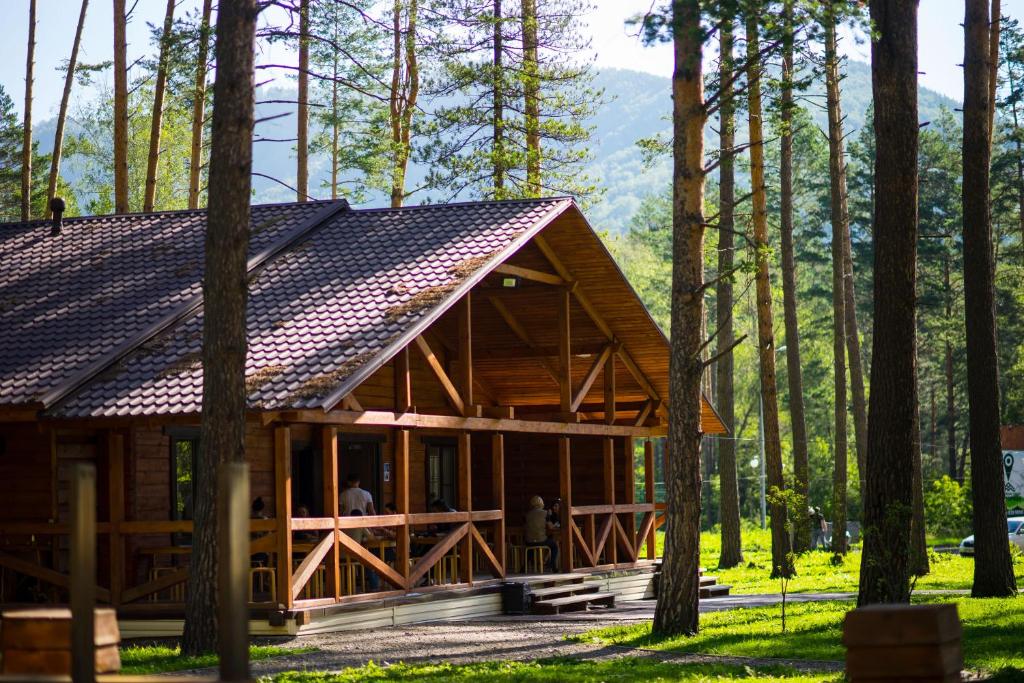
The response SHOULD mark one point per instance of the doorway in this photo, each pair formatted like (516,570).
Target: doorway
(360,456)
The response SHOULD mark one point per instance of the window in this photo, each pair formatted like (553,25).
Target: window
(441,472)
(184,451)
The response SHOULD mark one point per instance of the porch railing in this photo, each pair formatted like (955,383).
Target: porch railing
(609,535)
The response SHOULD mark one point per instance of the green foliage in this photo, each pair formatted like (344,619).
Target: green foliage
(11,144)
(947,508)
(154,659)
(556,671)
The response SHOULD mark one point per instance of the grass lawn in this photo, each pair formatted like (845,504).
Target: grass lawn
(991,633)
(552,670)
(154,659)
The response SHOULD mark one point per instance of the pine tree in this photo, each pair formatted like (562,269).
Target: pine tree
(156,117)
(120,108)
(26,146)
(58,136)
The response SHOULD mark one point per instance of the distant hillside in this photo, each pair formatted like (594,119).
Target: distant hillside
(637,105)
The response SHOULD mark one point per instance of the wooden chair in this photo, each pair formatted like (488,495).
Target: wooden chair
(537,557)
(353,575)
(259,580)
(446,568)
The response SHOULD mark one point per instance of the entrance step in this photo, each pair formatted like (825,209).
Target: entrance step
(718,590)
(580,602)
(552,592)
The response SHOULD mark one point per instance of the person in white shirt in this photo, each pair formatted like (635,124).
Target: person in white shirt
(355,498)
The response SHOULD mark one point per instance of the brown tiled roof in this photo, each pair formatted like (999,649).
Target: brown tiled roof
(322,314)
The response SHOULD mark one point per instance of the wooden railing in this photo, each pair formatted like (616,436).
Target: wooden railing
(608,535)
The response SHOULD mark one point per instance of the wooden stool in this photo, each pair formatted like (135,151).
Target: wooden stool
(38,641)
(262,576)
(447,567)
(175,593)
(352,573)
(903,642)
(537,557)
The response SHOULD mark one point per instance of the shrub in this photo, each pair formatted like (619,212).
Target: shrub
(947,508)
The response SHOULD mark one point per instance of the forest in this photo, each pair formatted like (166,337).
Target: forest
(410,101)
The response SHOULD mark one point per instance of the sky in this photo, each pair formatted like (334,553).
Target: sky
(614,44)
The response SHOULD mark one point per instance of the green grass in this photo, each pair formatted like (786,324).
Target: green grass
(557,670)
(154,659)
(814,630)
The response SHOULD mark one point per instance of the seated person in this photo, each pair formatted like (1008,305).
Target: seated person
(535,533)
(302,511)
(361,536)
(258,510)
(387,531)
(441,528)
(554,516)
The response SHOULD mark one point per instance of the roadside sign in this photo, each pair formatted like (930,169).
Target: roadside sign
(1013,466)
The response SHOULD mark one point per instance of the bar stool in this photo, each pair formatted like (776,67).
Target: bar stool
(263,580)
(352,572)
(537,557)
(447,567)
(514,550)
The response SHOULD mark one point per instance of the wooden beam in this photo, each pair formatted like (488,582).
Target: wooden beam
(529,274)
(465,472)
(582,543)
(115,484)
(629,498)
(649,489)
(304,572)
(608,453)
(383,418)
(435,364)
(497,568)
(564,351)
(534,352)
(565,492)
(465,350)
(498,496)
(401,450)
(437,552)
(403,381)
(517,328)
(350,402)
(283,512)
(329,457)
(369,559)
(609,390)
(641,418)
(588,381)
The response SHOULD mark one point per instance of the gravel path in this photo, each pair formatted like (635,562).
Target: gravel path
(513,637)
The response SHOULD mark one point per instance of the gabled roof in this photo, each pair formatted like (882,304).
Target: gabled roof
(106,320)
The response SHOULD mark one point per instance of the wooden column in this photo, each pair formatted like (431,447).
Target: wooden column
(565,492)
(402,501)
(649,490)
(465,375)
(629,478)
(115,480)
(609,390)
(498,496)
(329,450)
(564,351)
(466,504)
(611,545)
(283,513)
(403,382)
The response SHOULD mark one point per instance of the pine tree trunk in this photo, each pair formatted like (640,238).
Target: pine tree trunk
(995,27)
(531,98)
(498,122)
(858,393)
(782,560)
(302,117)
(222,435)
(729,496)
(156,120)
(888,488)
(993,569)
(794,370)
(918,538)
(62,115)
(950,380)
(26,142)
(840,227)
(199,108)
(120,108)
(405,83)
(677,607)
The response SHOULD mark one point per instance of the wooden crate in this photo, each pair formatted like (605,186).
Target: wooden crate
(903,643)
(38,641)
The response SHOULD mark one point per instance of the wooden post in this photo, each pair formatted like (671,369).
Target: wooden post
(629,477)
(466,354)
(609,390)
(83,573)
(649,490)
(403,382)
(564,351)
(233,570)
(611,545)
(565,492)
(498,496)
(115,481)
(402,501)
(465,503)
(329,456)
(283,507)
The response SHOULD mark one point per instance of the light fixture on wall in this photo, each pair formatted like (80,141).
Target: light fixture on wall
(510,282)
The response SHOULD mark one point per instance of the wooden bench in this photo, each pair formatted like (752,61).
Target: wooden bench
(38,641)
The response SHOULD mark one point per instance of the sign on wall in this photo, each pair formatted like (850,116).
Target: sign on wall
(1013,466)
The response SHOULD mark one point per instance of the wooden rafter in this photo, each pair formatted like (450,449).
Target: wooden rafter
(435,365)
(591,377)
(517,328)
(529,274)
(645,412)
(350,402)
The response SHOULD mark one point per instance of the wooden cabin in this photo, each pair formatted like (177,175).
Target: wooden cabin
(480,353)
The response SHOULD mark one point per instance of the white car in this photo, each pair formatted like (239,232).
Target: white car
(1014,530)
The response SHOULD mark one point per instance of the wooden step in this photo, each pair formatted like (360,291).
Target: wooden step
(708,581)
(719,590)
(574,602)
(552,592)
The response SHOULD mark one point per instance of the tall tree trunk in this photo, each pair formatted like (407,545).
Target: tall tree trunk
(498,115)
(1020,170)
(840,226)
(676,611)
(195,165)
(335,133)
(782,560)
(888,488)
(794,370)
(156,121)
(302,118)
(531,97)
(62,115)
(222,432)
(995,27)
(948,367)
(729,496)
(918,540)
(26,142)
(858,393)
(405,84)
(993,568)
(120,108)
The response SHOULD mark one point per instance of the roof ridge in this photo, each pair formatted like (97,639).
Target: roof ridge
(78,380)
(474,202)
